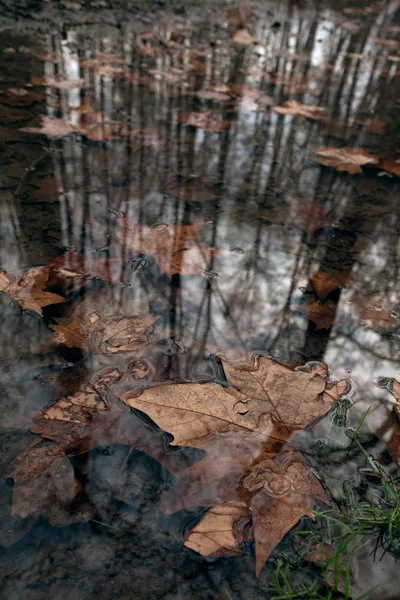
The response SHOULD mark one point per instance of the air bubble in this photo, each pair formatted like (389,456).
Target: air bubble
(339,420)
(236,250)
(394,314)
(159,226)
(303,289)
(210,274)
(346,401)
(320,444)
(378,307)
(138,264)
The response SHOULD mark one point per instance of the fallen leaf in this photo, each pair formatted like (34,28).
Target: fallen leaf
(281,495)
(301,111)
(243,38)
(390,164)
(93,416)
(213,95)
(239,16)
(30,291)
(214,534)
(191,189)
(325,283)
(44,484)
(21,97)
(323,314)
(170,245)
(58,82)
(52,128)
(242,427)
(91,331)
(203,120)
(393,44)
(344,159)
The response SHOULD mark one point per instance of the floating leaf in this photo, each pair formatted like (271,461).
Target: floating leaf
(344,159)
(301,111)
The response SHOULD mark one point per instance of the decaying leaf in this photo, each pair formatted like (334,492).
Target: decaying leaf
(215,534)
(239,16)
(58,82)
(325,283)
(242,427)
(52,128)
(191,189)
(323,314)
(244,38)
(281,495)
(203,120)
(93,331)
(30,291)
(344,159)
(44,484)
(301,111)
(168,244)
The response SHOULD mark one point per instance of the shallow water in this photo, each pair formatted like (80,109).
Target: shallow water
(215,216)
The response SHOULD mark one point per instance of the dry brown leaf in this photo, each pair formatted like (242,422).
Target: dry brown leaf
(344,159)
(30,291)
(301,111)
(44,484)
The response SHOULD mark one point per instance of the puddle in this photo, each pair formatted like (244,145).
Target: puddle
(177,185)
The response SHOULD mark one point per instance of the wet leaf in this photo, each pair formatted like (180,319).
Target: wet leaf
(344,159)
(390,164)
(93,331)
(58,82)
(301,111)
(214,534)
(203,120)
(323,314)
(243,38)
(281,495)
(52,128)
(30,290)
(191,189)
(324,283)
(21,97)
(242,427)
(171,245)
(44,484)
(239,16)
